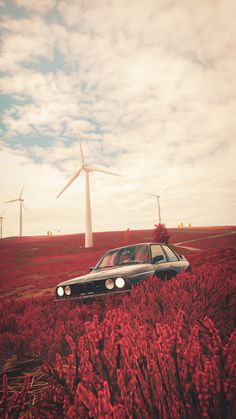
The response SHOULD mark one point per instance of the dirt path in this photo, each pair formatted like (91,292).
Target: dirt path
(196,249)
(205,238)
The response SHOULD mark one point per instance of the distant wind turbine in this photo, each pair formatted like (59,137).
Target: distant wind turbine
(21,201)
(1,218)
(157,196)
(86,169)
(158,205)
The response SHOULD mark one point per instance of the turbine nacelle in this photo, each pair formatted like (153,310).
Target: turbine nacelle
(86,168)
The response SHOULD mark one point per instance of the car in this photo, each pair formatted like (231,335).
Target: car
(122,268)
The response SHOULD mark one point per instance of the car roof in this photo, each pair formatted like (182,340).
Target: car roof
(135,244)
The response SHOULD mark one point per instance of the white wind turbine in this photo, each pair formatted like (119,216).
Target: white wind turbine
(21,202)
(158,205)
(1,218)
(157,196)
(86,169)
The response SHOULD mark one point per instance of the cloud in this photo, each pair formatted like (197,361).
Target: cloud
(25,42)
(150,87)
(42,7)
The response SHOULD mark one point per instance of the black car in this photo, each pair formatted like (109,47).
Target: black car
(119,269)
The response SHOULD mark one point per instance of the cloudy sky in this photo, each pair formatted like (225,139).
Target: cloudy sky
(150,84)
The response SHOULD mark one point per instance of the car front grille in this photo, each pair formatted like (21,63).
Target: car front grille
(87,288)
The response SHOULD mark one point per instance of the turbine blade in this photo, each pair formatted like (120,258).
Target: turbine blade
(70,181)
(97,169)
(23,205)
(162,189)
(13,200)
(21,191)
(150,194)
(81,150)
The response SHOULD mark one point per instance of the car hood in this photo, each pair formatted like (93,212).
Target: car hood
(125,271)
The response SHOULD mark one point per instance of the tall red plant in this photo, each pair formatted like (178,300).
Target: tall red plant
(161,234)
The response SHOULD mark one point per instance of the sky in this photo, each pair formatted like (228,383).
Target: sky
(151,87)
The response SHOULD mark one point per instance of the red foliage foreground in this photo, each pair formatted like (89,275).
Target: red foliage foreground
(167,350)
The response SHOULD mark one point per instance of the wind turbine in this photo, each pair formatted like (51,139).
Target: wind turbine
(21,202)
(86,169)
(157,196)
(1,218)
(158,205)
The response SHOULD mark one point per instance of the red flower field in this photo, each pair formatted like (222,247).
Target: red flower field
(167,350)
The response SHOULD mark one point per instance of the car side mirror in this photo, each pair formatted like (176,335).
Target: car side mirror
(157,259)
(91,268)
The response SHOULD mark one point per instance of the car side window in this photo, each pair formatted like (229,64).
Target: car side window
(124,256)
(157,253)
(171,256)
(142,254)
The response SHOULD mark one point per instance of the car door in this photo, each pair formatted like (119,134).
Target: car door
(162,267)
(175,263)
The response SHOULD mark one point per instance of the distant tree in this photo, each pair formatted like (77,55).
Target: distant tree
(161,234)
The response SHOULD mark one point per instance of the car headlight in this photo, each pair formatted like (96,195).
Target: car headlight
(60,291)
(68,290)
(120,282)
(109,284)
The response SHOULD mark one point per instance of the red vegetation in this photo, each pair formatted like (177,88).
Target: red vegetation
(167,350)
(161,234)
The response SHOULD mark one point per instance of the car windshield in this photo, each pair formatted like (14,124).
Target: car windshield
(124,256)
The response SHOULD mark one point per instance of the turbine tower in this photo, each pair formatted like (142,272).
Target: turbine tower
(158,205)
(1,218)
(21,202)
(86,169)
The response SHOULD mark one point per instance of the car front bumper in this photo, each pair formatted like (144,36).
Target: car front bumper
(91,295)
